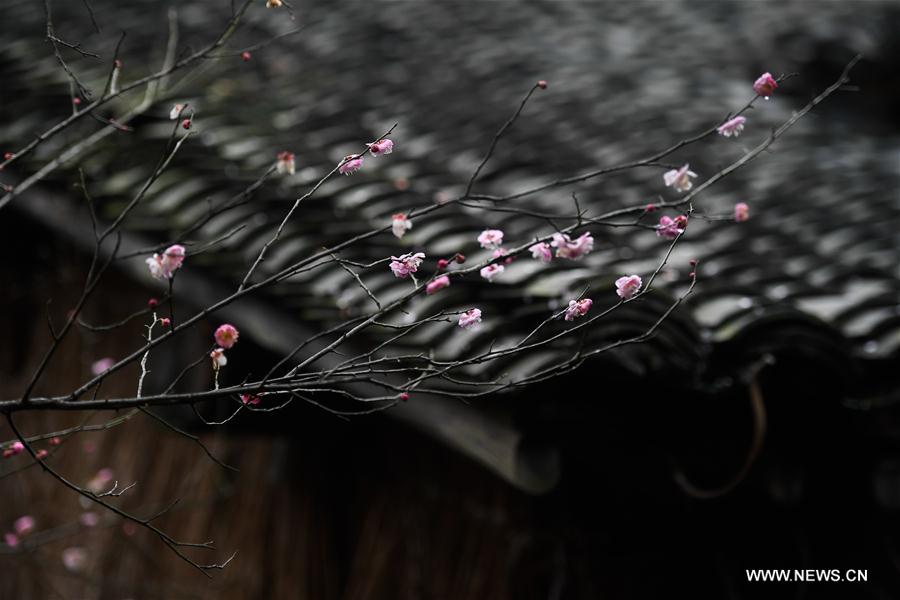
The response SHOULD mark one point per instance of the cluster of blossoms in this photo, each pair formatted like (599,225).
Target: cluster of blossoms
(226,336)
(400,224)
(284,164)
(163,266)
(353,163)
(21,528)
(14,449)
(565,246)
(670,228)
(404,265)
(578,308)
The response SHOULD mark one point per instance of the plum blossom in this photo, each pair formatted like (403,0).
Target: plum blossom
(218,358)
(74,559)
(680,179)
(578,308)
(15,448)
(285,163)
(470,319)
(102,365)
(400,224)
(176,111)
(253,399)
(165,321)
(380,147)
(89,519)
(734,127)
(164,266)
(741,212)
(226,335)
(572,249)
(490,238)
(11,539)
(628,286)
(41,454)
(100,482)
(765,85)
(438,284)
(403,265)
(491,271)
(351,164)
(23,525)
(670,228)
(541,252)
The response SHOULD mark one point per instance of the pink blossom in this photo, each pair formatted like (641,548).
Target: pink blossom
(680,179)
(176,111)
(741,212)
(400,224)
(102,365)
(490,238)
(578,308)
(765,85)
(15,448)
(403,265)
(100,482)
(253,399)
(285,164)
(11,539)
(437,284)
(218,358)
(74,559)
(380,147)
(498,252)
(226,335)
(41,454)
(470,319)
(165,321)
(572,249)
(23,525)
(669,228)
(89,519)
(164,266)
(491,271)
(628,286)
(351,164)
(541,252)
(734,127)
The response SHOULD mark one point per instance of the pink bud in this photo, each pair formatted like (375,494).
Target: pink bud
(542,84)
(459,258)
(245,56)
(403,396)
(41,454)
(438,284)
(76,101)
(7,155)
(55,441)
(442,264)
(186,123)
(741,212)
(165,322)
(152,302)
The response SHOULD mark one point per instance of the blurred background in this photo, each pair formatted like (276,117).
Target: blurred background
(665,467)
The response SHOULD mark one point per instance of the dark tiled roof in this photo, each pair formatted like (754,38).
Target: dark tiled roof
(815,266)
